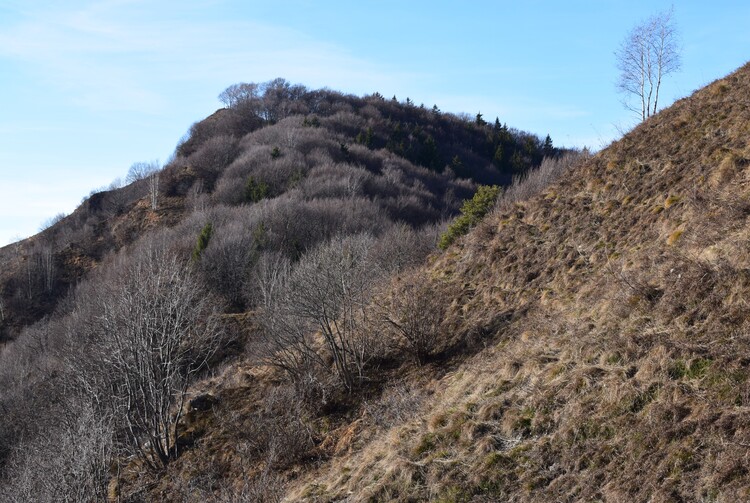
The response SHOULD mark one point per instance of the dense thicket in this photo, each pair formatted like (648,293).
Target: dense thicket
(290,207)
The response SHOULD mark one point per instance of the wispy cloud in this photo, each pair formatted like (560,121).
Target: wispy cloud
(116,55)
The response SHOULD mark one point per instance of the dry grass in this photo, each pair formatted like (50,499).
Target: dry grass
(593,349)
(622,373)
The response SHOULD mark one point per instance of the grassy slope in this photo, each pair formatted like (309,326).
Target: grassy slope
(622,374)
(612,315)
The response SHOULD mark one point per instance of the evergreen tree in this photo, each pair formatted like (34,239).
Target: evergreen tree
(516,162)
(203,239)
(429,156)
(497,159)
(548,149)
(472,212)
(255,190)
(368,137)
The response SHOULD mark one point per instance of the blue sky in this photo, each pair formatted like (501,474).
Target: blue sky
(87,88)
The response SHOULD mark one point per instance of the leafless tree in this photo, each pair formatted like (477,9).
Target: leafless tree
(69,463)
(269,277)
(153,189)
(154,329)
(146,171)
(648,54)
(51,221)
(328,291)
(47,260)
(39,271)
(141,171)
(239,93)
(414,313)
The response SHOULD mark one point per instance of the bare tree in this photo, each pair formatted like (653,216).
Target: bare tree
(70,462)
(414,313)
(39,271)
(269,276)
(141,171)
(153,328)
(47,259)
(51,221)
(239,93)
(648,54)
(146,171)
(153,189)
(329,291)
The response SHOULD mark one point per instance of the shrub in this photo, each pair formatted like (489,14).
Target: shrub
(472,213)
(327,291)
(413,314)
(534,181)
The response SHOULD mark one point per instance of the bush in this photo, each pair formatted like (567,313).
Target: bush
(472,213)
(534,181)
(413,314)
(327,291)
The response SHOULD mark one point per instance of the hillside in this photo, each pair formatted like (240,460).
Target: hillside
(613,310)
(282,143)
(592,346)
(110,315)
(587,341)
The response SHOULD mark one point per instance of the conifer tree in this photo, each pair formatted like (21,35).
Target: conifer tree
(548,149)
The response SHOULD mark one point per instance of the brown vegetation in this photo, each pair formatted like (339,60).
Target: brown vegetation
(586,341)
(112,313)
(621,374)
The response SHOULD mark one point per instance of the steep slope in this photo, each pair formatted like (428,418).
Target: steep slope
(614,311)
(592,345)
(589,343)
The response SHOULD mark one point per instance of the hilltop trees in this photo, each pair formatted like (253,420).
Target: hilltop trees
(648,54)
